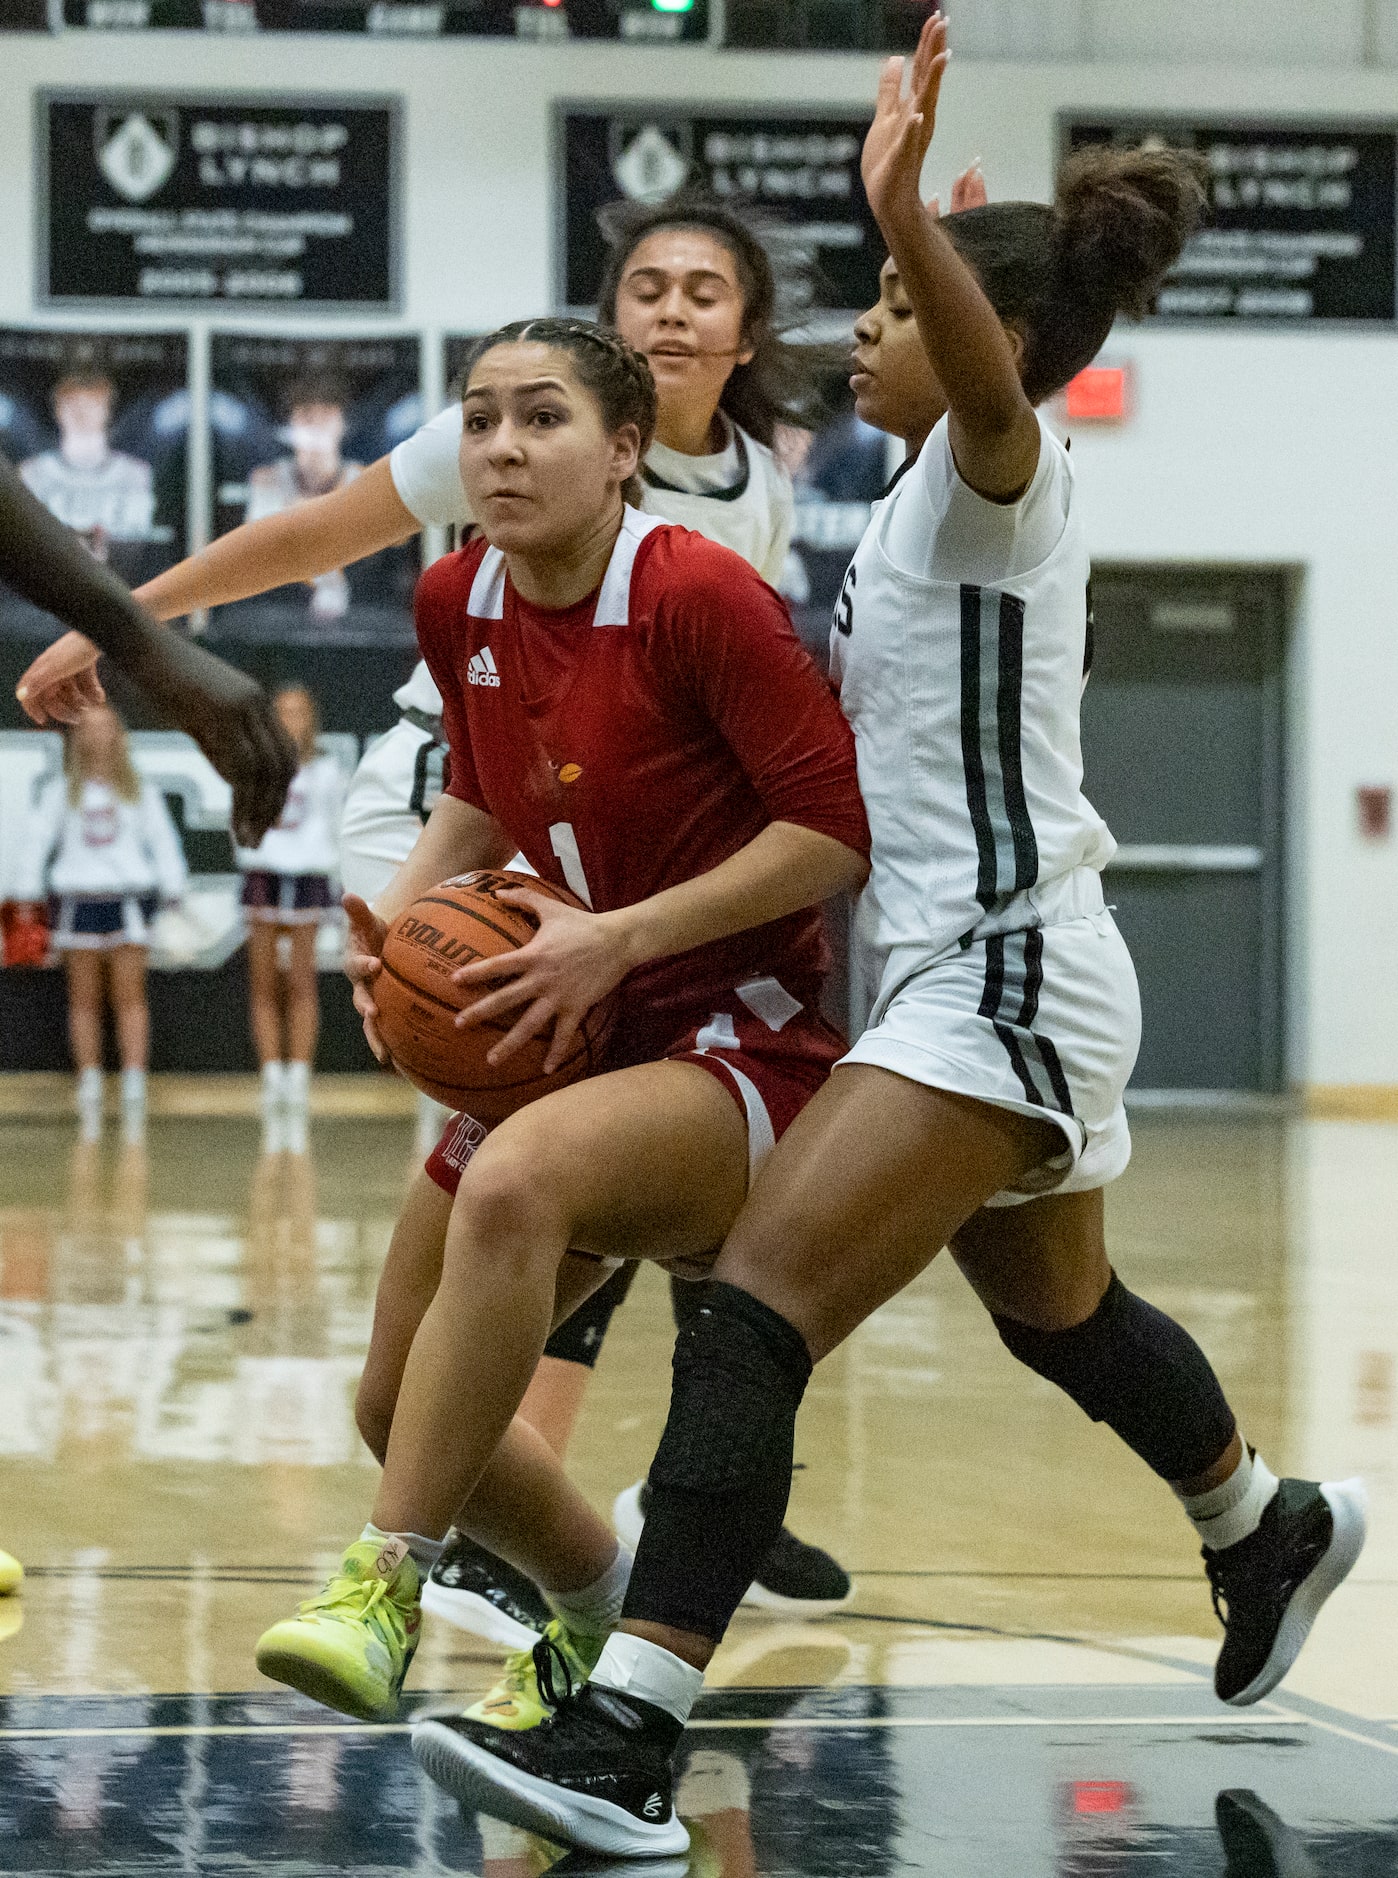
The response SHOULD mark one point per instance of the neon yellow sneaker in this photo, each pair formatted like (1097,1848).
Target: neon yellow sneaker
(351,1646)
(11,1574)
(536,1681)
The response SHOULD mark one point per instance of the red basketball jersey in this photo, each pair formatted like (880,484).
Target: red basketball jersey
(640,738)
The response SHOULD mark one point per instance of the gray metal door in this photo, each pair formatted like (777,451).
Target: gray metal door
(1182,745)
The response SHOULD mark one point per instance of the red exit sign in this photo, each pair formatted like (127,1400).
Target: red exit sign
(1099,395)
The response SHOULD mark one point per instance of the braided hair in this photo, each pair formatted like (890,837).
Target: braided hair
(619,379)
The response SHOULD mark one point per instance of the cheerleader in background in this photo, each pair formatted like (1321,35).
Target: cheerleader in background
(287,892)
(108,855)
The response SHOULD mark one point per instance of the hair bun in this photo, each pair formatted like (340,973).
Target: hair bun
(1123,217)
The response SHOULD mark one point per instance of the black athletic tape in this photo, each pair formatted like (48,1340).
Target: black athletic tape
(740,1372)
(1137,1370)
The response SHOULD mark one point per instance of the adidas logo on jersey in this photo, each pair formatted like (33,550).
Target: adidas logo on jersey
(481,670)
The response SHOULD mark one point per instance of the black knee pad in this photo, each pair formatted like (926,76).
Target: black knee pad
(722,1474)
(579,1338)
(740,1372)
(1137,1370)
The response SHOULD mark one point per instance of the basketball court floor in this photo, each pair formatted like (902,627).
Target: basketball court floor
(1020,1689)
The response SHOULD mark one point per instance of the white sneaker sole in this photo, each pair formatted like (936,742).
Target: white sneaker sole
(628,1520)
(485,1784)
(1348,1504)
(759,1597)
(469,1611)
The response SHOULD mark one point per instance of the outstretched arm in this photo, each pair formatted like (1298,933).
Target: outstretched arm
(225,712)
(329,531)
(994,431)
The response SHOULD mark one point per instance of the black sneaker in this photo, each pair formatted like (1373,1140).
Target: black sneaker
(1257,1843)
(595,1775)
(476,1591)
(796,1578)
(1269,1587)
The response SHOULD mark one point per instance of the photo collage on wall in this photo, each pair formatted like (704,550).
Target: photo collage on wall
(295,418)
(98,427)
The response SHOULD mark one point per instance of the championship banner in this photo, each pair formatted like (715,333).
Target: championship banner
(537,22)
(1301,218)
(98,426)
(797,173)
(296,418)
(163,197)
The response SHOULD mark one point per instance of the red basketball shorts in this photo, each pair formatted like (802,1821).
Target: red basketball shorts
(769,1052)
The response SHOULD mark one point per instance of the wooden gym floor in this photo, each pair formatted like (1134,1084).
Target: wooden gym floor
(1020,1689)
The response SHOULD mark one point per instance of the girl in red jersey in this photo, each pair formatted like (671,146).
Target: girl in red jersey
(659,743)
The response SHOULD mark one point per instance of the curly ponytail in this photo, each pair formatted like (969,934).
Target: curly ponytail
(1061,275)
(619,379)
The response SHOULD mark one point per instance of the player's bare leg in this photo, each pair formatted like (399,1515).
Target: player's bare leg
(646,1162)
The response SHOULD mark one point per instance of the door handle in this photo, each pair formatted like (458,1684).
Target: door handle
(1181,858)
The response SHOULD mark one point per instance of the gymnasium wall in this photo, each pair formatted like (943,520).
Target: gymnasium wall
(1245,445)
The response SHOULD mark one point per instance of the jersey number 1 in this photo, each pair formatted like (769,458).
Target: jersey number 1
(565,846)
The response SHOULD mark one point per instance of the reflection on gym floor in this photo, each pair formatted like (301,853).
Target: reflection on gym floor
(1021,1686)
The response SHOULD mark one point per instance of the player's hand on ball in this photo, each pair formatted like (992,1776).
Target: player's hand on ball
(363,963)
(570,964)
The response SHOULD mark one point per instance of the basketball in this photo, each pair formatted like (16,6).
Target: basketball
(418,1000)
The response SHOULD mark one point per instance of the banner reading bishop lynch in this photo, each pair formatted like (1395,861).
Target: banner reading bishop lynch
(161,198)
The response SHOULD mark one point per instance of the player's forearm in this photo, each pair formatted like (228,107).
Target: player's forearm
(456,839)
(959,329)
(783,870)
(315,537)
(48,566)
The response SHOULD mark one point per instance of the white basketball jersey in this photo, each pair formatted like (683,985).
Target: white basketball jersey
(964,700)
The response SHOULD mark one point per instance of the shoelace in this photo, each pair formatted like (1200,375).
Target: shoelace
(546,1653)
(358,1598)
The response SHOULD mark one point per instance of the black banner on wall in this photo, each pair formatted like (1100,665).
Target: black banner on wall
(98,427)
(1301,222)
(295,418)
(826,25)
(160,198)
(540,22)
(800,173)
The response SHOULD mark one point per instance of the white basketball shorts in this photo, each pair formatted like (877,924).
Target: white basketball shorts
(1044,1021)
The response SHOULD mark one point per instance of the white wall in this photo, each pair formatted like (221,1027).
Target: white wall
(1246,446)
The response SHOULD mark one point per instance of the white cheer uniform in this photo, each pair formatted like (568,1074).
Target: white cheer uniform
(741,498)
(107,862)
(961,647)
(291,868)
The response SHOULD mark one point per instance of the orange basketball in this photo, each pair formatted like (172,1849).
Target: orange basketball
(418,1001)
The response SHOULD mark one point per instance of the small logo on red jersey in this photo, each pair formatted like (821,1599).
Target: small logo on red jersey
(481,670)
(570,772)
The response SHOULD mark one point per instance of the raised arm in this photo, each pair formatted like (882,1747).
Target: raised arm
(329,531)
(225,712)
(993,429)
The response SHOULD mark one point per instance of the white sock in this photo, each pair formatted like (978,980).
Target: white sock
(423,1552)
(273,1084)
(632,1666)
(596,1608)
(89,1088)
(1226,1514)
(133,1087)
(298,1084)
